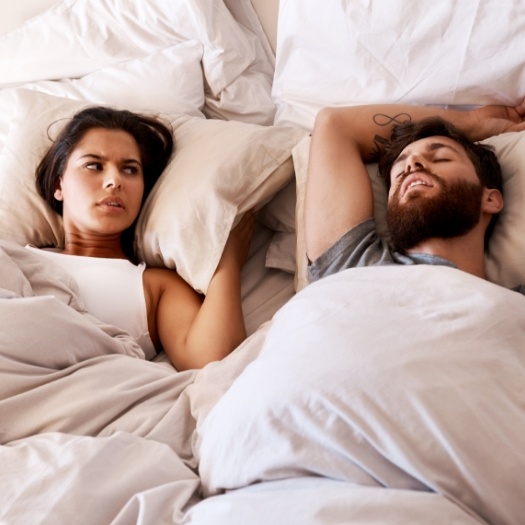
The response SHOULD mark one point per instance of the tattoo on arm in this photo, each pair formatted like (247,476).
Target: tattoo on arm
(380,119)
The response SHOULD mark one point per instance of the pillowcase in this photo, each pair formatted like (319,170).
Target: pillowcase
(506,256)
(78,37)
(219,170)
(505,259)
(25,217)
(167,81)
(279,214)
(427,53)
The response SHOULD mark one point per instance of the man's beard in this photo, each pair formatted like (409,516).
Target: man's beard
(451,213)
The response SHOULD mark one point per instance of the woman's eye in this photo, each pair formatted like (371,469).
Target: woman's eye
(131,170)
(95,166)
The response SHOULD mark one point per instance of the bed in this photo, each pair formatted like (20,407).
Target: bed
(387,396)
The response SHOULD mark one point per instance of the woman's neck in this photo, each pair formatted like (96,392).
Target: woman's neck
(107,246)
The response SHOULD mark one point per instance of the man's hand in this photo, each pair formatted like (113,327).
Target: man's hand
(494,120)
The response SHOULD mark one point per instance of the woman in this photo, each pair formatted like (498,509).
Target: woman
(97,174)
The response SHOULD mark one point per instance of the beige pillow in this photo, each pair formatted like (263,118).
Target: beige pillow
(219,170)
(506,256)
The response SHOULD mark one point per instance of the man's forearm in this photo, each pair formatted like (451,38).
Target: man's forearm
(370,126)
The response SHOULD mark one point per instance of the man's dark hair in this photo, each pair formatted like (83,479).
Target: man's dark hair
(482,156)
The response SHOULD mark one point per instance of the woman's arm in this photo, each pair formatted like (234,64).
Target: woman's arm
(195,330)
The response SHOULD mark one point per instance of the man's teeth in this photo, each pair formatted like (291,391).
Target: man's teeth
(417,183)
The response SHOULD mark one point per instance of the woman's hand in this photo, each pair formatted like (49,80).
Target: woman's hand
(238,243)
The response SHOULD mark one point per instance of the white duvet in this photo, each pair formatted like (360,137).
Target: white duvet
(410,378)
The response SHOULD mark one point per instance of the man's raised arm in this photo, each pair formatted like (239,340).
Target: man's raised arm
(338,190)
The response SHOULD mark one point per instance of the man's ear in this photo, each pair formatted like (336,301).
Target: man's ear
(492,201)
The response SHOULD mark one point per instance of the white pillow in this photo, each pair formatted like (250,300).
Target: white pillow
(168,81)
(506,256)
(351,53)
(505,260)
(219,170)
(77,37)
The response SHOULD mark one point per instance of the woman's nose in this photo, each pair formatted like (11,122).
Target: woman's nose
(113,179)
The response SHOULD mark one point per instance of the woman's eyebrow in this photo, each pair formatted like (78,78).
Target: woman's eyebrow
(95,156)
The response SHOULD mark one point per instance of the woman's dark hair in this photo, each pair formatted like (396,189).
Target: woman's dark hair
(482,156)
(153,137)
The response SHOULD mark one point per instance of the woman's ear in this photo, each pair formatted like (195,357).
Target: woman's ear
(492,201)
(58,192)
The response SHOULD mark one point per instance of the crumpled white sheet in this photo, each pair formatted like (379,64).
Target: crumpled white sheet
(401,51)
(77,37)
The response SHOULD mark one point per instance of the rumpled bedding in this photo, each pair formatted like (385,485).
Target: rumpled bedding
(77,38)
(373,396)
(65,371)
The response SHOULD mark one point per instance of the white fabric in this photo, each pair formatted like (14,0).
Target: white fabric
(115,480)
(112,290)
(69,374)
(74,38)
(167,81)
(351,53)
(506,255)
(321,501)
(404,377)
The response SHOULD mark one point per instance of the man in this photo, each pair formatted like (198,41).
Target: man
(444,190)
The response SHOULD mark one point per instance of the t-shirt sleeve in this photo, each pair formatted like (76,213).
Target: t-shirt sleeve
(360,246)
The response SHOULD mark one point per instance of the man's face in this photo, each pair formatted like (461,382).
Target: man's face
(434,192)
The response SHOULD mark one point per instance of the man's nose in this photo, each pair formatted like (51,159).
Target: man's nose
(414,163)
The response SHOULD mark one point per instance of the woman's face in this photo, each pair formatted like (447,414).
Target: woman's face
(102,185)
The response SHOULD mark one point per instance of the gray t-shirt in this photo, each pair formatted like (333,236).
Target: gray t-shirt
(362,246)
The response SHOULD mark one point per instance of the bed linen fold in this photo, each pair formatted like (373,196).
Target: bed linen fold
(62,370)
